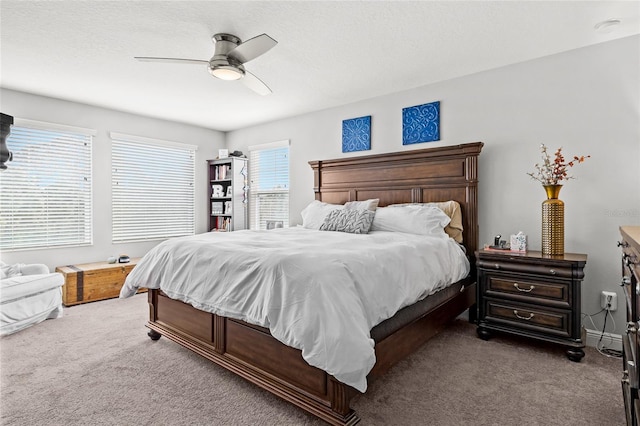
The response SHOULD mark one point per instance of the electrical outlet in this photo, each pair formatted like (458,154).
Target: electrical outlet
(609,300)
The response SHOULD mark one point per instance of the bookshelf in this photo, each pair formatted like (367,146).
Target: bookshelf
(228,194)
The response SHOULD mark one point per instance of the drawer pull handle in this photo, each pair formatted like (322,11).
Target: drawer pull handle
(524,289)
(625,281)
(552,271)
(515,312)
(623,244)
(497,266)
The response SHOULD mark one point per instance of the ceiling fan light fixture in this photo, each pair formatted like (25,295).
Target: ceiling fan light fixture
(226,72)
(229,56)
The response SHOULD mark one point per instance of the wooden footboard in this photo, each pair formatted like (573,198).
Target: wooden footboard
(251,352)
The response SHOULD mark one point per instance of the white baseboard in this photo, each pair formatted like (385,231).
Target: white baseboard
(609,340)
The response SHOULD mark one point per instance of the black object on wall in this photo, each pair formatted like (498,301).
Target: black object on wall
(5,129)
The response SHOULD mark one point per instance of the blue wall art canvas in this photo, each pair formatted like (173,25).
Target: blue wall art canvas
(356,134)
(421,123)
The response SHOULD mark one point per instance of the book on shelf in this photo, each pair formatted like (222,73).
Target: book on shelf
(222,224)
(220,172)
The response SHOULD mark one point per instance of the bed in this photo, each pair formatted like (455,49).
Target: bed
(251,350)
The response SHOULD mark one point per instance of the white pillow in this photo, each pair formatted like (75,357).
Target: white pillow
(371,204)
(427,220)
(452,209)
(313,215)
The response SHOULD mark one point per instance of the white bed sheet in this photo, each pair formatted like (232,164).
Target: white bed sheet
(320,292)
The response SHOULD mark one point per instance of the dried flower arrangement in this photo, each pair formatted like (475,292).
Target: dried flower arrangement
(554,172)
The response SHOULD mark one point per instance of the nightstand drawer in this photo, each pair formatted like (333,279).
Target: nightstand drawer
(517,264)
(529,317)
(548,293)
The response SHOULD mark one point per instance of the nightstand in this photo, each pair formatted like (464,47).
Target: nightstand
(531,295)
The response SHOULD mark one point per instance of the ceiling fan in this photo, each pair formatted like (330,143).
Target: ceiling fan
(229,58)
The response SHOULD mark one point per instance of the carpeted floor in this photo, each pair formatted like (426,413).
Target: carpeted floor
(96,366)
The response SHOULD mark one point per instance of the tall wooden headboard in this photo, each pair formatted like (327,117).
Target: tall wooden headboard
(417,176)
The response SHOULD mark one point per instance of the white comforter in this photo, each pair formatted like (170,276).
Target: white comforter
(317,291)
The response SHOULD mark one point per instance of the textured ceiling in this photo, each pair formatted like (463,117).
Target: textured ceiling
(329,52)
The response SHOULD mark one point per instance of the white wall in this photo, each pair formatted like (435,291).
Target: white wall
(586,100)
(32,107)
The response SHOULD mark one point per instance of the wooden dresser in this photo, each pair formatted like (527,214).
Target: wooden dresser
(532,295)
(630,341)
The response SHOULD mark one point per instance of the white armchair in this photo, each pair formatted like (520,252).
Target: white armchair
(29,294)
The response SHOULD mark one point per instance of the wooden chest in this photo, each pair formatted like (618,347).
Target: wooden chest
(89,282)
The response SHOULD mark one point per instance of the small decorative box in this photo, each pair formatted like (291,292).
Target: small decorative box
(519,242)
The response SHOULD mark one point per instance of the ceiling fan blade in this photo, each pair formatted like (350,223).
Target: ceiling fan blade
(255,84)
(252,48)
(170,60)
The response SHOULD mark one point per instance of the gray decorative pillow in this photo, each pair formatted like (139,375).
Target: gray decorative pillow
(352,221)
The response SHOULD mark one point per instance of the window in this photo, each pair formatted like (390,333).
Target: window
(45,193)
(152,188)
(269,185)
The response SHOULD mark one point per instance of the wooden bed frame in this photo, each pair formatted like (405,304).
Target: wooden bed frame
(435,174)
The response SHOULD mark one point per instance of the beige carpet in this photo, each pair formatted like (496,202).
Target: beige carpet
(96,366)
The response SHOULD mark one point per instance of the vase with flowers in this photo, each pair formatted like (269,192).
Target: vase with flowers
(552,173)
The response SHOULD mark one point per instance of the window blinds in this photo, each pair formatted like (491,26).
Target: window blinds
(269,186)
(46,191)
(152,189)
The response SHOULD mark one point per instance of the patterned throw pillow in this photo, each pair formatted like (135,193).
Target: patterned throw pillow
(352,221)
